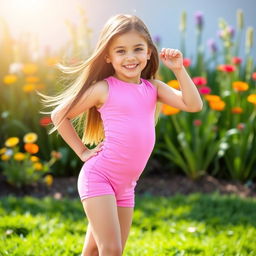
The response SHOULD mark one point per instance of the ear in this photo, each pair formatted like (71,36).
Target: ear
(107,59)
(149,54)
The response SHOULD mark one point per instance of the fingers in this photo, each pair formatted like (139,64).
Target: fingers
(169,53)
(98,148)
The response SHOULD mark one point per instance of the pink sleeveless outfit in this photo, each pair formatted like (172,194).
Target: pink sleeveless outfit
(128,120)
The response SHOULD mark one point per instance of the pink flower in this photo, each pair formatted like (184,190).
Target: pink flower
(205,90)
(197,122)
(237,60)
(186,62)
(198,80)
(240,126)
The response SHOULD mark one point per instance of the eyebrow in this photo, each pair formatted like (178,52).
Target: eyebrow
(136,45)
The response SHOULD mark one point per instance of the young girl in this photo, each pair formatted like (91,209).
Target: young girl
(117,93)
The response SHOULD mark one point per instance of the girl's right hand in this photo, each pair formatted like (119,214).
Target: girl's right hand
(88,153)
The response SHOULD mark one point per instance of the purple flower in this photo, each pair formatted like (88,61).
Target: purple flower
(231,31)
(157,40)
(199,19)
(212,45)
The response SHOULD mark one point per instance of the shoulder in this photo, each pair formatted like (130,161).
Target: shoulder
(101,89)
(155,82)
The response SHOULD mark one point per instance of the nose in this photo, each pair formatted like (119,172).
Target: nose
(130,56)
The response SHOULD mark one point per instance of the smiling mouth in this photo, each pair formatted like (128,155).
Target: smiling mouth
(131,66)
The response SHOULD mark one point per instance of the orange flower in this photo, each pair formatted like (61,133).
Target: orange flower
(252,98)
(169,110)
(29,87)
(32,79)
(174,84)
(240,86)
(212,97)
(44,121)
(217,105)
(237,110)
(31,148)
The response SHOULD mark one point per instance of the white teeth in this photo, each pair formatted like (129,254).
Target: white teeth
(131,66)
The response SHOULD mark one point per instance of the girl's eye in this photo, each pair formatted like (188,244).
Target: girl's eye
(138,49)
(120,51)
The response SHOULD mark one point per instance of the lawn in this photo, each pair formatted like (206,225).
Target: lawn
(196,224)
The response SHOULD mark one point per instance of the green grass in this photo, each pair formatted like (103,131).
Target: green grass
(223,225)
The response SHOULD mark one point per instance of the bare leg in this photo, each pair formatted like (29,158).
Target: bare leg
(102,214)
(90,247)
(125,215)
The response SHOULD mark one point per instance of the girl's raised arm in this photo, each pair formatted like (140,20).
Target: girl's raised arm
(90,98)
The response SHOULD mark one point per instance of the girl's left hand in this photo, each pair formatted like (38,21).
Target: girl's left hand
(172,58)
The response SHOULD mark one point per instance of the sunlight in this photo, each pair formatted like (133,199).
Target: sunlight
(25,14)
(27,5)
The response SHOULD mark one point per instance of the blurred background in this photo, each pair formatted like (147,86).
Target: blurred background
(217,39)
(45,19)
(208,151)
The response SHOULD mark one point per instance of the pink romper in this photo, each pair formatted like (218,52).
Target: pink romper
(128,120)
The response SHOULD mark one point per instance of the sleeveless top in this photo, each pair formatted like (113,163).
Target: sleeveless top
(129,126)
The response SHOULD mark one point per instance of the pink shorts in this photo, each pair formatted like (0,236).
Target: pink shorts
(93,183)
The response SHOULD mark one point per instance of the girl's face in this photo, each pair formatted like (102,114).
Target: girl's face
(128,54)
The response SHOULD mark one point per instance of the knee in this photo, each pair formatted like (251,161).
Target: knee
(111,249)
(91,252)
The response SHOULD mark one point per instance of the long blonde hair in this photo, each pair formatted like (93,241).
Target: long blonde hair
(95,69)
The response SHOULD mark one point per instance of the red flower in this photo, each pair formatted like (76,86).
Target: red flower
(44,121)
(254,76)
(237,60)
(205,90)
(240,126)
(226,68)
(186,62)
(197,122)
(198,80)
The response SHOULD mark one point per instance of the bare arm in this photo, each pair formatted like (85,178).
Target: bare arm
(90,98)
(188,99)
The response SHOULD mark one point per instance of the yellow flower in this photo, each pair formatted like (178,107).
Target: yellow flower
(5,157)
(2,151)
(252,98)
(29,69)
(48,179)
(29,87)
(30,137)
(32,79)
(34,158)
(38,166)
(169,110)
(174,83)
(10,79)
(12,141)
(19,156)
(240,86)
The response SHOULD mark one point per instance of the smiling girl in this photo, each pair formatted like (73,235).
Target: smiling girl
(117,93)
